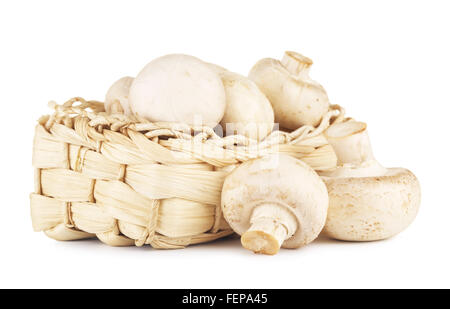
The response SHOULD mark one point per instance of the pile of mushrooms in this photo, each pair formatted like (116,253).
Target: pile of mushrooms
(184,89)
(276,201)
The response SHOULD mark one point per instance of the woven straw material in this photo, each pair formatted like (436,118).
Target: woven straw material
(129,181)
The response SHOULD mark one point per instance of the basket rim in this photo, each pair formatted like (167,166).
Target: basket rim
(100,120)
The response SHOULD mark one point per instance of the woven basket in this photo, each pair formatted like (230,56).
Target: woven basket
(120,178)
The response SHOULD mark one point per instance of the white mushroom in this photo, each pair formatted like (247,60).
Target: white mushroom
(116,99)
(274,201)
(248,111)
(178,88)
(367,201)
(296,99)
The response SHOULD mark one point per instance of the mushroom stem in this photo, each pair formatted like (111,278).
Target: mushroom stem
(296,63)
(351,144)
(271,225)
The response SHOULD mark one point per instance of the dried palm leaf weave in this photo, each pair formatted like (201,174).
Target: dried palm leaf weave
(129,181)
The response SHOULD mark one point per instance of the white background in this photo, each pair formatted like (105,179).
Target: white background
(387,62)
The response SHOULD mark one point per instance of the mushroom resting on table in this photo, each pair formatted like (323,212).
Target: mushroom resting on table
(274,201)
(367,201)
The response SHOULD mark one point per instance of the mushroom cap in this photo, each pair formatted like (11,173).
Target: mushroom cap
(116,99)
(248,111)
(371,208)
(296,100)
(178,88)
(278,180)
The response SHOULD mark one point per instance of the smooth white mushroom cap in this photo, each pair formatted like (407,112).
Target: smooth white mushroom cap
(296,99)
(281,182)
(178,88)
(371,208)
(116,99)
(248,111)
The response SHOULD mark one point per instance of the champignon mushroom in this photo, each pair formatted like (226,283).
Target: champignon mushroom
(274,201)
(367,201)
(248,111)
(178,88)
(296,99)
(116,99)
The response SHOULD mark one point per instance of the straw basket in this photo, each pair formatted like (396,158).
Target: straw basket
(128,181)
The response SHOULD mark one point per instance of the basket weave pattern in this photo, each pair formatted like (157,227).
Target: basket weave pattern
(118,178)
